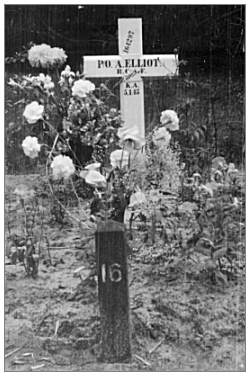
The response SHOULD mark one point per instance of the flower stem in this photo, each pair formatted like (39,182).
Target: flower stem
(49,184)
(78,199)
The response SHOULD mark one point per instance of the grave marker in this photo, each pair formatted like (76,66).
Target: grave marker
(131,65)
(113,292)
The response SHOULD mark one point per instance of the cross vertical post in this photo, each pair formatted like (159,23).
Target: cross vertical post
(131,88)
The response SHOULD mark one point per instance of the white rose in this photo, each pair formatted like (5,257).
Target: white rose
(83,174)
(41,77)
(29,79)
(57,56)
(71,80)
(119,158)
(93,166)
(126,134)
(31,147)
(33,112)
(67,72)
(161,137)
(62,167)
(48,83)
(170,120)
(82,87)
(113,112)
(39,55)
(45,56)
(95,179)
(36,80)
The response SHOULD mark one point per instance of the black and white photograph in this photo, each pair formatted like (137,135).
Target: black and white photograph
(124,187)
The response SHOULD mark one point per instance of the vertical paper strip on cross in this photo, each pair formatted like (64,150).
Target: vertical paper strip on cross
(132,106)
(130,36)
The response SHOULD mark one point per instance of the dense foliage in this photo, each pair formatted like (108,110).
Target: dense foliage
(211,34)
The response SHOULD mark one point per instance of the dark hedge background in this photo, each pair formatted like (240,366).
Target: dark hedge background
(207,35)
(210,90)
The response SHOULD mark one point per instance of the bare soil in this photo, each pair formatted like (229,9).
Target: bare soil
(52,321)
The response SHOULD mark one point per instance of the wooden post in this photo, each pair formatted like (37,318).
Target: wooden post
(113,292)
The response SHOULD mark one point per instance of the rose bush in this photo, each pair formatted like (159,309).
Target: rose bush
(85,139)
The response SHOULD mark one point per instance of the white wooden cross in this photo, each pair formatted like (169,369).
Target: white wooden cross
(131,65)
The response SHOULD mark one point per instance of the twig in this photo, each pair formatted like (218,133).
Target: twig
(56,328)
(50,186)
(50,126)
(78,199)
(79,269)
(25,355)
(46,359)
(62,139)
(142,360)
(41,322)
(132,281)
(156,346)
(66,247)
(37,367)
(45,237)
(48,250)
(25,217)
(17,361)
(14,351)
(74,154)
